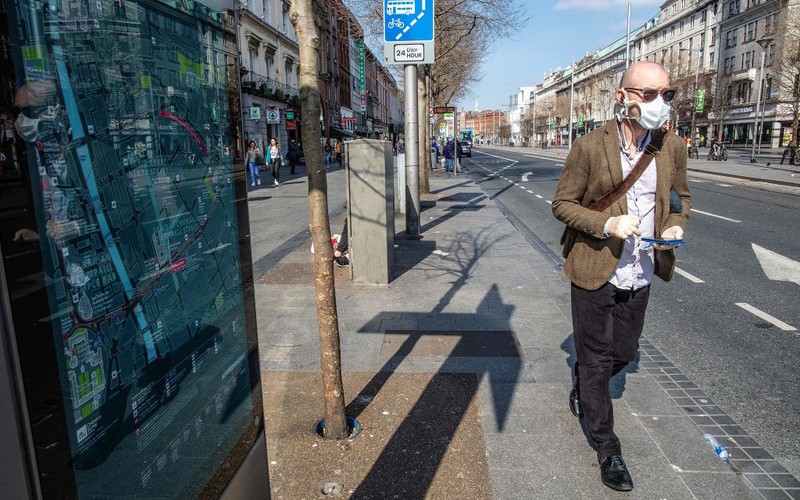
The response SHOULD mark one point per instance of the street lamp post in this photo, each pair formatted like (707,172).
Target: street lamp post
(692,133)
(764,43)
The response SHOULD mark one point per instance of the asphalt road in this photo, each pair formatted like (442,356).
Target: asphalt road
(743,356)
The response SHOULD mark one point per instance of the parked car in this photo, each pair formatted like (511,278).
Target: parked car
(466,148)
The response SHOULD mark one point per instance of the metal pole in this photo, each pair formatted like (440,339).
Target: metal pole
(761,122)
(412,151)
(534,119)
(456,141)
(756,132)
(628,39)
(571,100)
(692,133)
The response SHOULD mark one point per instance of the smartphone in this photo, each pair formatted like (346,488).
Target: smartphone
(664,242)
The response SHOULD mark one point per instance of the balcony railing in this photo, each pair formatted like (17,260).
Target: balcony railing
(263,86)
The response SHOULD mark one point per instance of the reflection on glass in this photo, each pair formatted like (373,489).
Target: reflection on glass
(122,113)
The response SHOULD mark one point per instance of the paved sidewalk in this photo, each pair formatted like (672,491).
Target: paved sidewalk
(475,298)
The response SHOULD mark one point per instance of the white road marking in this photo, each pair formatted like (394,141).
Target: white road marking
(528,190)
(539,196)
(724,185)
(525,176)
(690,277)
(519,186)
(766,317)
(715,215)
(495,156)
(776,266)
(550,202)
(697,181)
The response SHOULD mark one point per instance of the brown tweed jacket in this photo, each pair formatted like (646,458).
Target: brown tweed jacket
(592,169)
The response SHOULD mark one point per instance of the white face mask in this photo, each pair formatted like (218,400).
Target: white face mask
(652,115)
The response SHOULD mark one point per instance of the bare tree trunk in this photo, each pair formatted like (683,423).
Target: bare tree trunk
(302,17)
(424,141)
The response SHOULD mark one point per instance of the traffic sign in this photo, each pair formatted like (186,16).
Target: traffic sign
(430,112)
(444,109)
(408,31)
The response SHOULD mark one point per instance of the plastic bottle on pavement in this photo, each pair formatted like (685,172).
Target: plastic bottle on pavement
(718,448)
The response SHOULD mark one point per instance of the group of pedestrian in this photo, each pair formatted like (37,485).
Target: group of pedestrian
(333,152)
(272,158)
(452,150)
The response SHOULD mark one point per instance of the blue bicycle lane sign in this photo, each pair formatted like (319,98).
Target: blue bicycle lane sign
(408,31)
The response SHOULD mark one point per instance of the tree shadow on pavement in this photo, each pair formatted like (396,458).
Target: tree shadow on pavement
(409,463)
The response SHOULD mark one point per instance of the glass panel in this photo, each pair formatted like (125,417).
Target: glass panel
(125,244)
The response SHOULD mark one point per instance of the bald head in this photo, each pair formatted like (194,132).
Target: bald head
(644,71)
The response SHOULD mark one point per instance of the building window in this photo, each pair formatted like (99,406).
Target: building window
(265,10)
(730,39)
(770,55)
(711,58)
(703,15)
(734,7)
(713,36)
(691,22)
(747,59)
(750,32)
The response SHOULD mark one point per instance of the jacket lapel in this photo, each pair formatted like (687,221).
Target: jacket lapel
(611,145)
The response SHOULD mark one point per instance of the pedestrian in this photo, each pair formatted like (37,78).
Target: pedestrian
(609,265)
(274,159)
(448,155)
(459,152)
(328,152)
(251,159)
(293,155)
(337,149)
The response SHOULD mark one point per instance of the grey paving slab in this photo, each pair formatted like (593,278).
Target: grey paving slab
(718,485)
(682,443)
(493,280)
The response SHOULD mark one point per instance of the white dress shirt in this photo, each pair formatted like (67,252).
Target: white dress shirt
(636,266)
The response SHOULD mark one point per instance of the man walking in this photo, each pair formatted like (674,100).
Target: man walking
(609,265)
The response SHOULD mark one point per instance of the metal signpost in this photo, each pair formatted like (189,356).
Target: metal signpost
(408,40)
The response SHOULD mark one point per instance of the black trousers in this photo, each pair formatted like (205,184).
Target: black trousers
(607,324)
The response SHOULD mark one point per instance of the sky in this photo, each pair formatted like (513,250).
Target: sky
(557,29)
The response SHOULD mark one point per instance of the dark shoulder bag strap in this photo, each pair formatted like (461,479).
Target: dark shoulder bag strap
(651,151)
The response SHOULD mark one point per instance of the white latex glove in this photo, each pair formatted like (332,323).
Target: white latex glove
(670,233)
(623,226)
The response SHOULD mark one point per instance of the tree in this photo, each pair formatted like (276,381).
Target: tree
(303,18)
(526,125)
(787,67)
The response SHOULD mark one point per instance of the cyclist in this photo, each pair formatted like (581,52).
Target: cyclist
(791,152)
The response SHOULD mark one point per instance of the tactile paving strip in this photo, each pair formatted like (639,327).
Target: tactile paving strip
(768,477)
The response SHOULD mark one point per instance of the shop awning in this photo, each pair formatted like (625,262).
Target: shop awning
(338,133)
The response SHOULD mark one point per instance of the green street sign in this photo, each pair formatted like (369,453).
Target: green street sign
(289,115)
(700,100)
(580,121)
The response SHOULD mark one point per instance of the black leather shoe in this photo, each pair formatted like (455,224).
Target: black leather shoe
(614,473)
(575,401)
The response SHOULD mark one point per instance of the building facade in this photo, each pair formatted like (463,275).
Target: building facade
(270,72)
(713,50)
